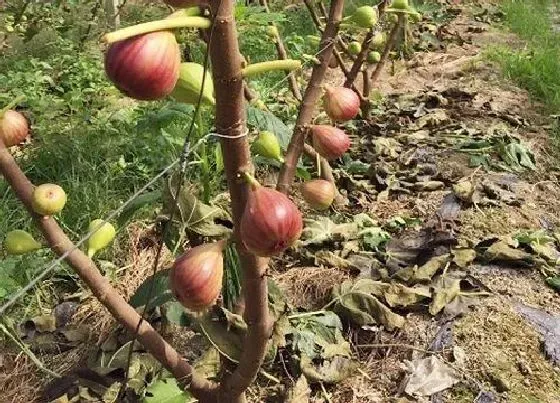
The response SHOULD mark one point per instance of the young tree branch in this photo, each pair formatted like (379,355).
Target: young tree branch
(361,57)
(283,55)
(312,94)
(125,314)
(231,121)
(387,50)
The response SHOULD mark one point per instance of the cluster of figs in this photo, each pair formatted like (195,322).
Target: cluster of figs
(148,66)
(271,222)
(47,199)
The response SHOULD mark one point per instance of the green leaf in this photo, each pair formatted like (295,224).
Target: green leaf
(324,229)
(265,120)
(166,391)
(176,313)
(161,291)
(141,201)
(192,213)
(554,282)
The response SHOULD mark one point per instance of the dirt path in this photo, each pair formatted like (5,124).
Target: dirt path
(446,119)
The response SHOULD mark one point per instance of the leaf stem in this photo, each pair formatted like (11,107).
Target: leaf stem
(271,65)
(159,25)
(12,104)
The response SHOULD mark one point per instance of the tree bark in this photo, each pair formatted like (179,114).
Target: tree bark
(231,122)
(125,314)
(312,94)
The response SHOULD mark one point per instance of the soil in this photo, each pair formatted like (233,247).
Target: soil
(502,353)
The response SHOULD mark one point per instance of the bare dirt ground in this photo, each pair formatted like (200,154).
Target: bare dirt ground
(494,352)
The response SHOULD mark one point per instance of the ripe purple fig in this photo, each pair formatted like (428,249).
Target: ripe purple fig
(13,128)
(196,276)
(144,67)
(318,193)
(270,223)
(329,141)
(341,103)
(48,199)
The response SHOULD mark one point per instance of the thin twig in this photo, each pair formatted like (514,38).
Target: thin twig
(312,94)
(388,47)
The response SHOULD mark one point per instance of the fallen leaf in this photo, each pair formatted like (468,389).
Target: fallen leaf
(209,364)
(402,296)
(355,302)
(330,259)
(501,251)
(428,376)
(166,391)
(329,371)
(446,288)
(463,257)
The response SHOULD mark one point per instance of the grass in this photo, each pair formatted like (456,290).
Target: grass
(536,65)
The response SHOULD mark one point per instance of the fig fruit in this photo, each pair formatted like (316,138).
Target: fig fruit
(318,193)
(187,89)
(196,276)
(270,223)
(144,67)
(365,16)
(354,48)
(13,128)
(272,31)
(267,146)
(373,57)
(329,141)
(48,199)
(101,238)
(378,39)
(313,40)
(341,103)
(18,242)
(399,4)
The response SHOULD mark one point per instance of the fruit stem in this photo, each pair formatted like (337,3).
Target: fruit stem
(250,179)
(159,25)
(257,68)
(11,104)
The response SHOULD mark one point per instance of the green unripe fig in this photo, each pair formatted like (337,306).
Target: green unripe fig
(101,238)
(373,57)
(378,39)
(189,84)
(313,40)
(18,242)
(365,17)
(399,4)
(267,146)
(272,31)
(48,199)
(393,18)
(354,48)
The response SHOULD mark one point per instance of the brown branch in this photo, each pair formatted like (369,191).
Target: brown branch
(312,94)
(125,314)
(388,47)
(361,57)
(365,106)
(283,55)
(314,15)
(336,52)
(231,121)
